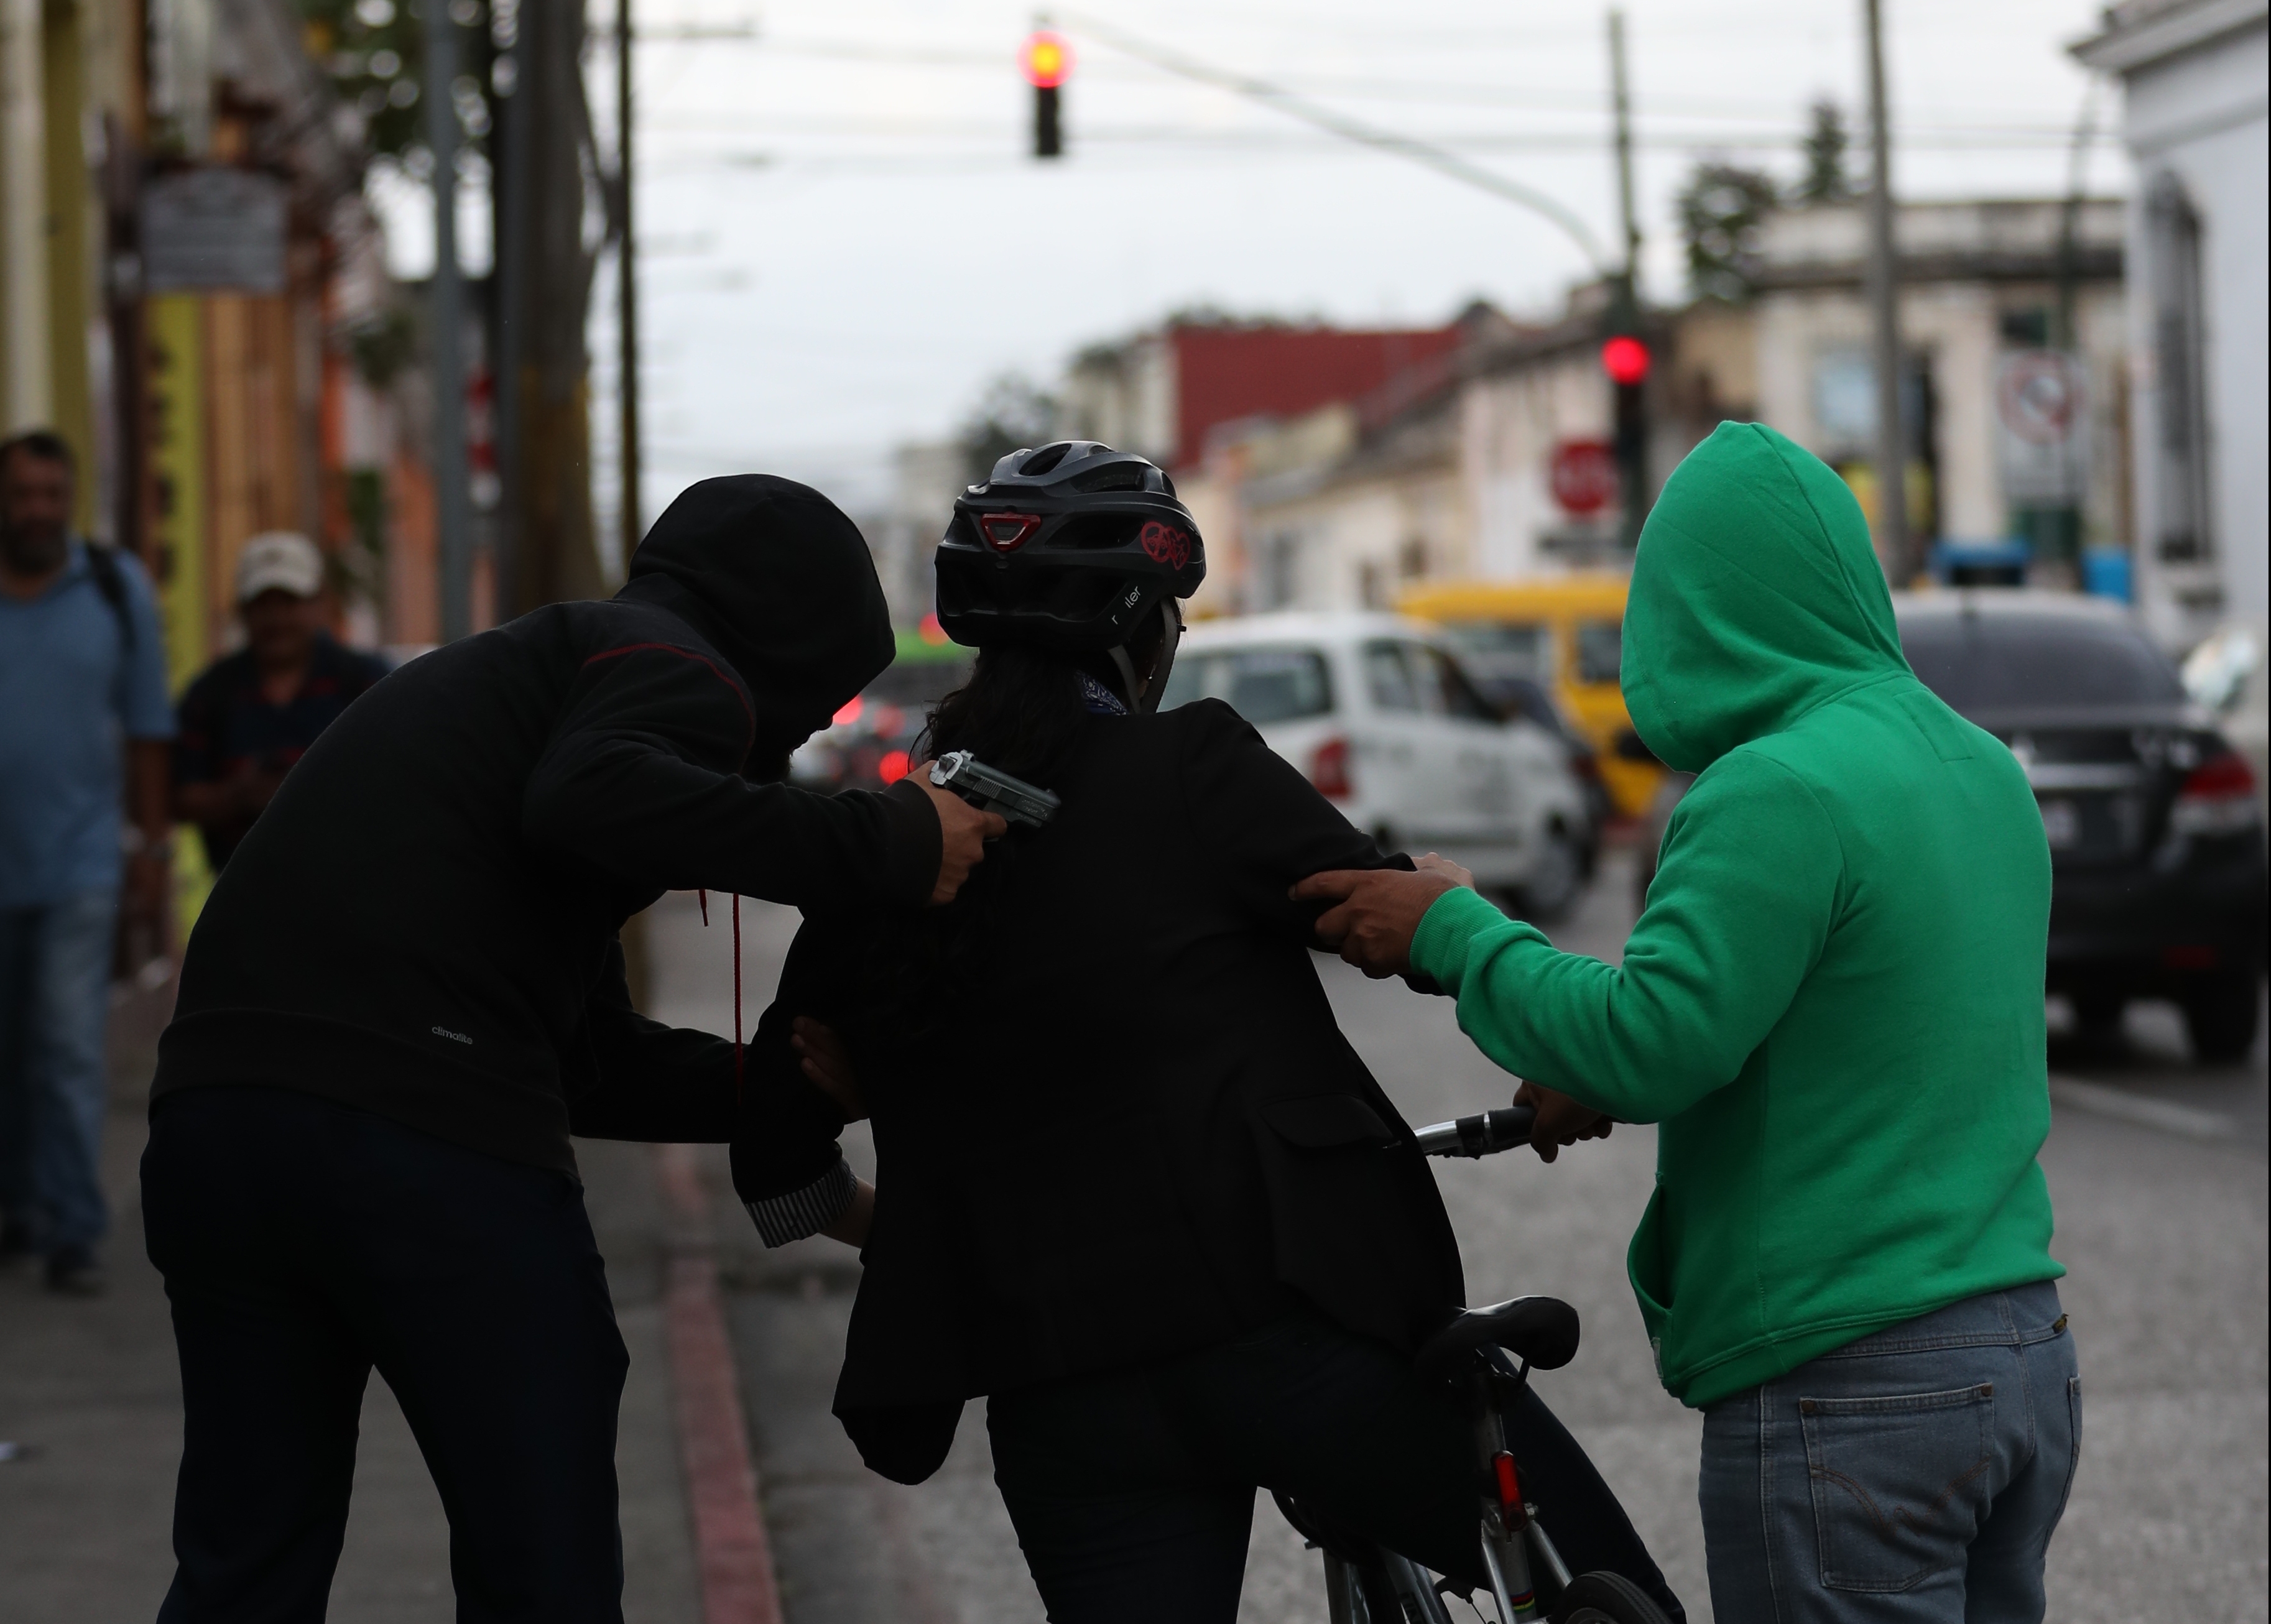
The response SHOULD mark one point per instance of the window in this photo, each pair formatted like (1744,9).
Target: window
(1389,679)
(1600,651)
(2180,517)
(1495,653)
(1264,685)
(1993,662)
(1458,695)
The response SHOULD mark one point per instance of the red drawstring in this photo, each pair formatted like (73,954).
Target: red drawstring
(737,997)
(703,897)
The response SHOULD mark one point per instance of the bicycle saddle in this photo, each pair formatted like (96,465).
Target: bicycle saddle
(1540,1331)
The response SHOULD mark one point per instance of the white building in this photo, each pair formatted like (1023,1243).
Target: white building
(2196,74)
(1985,288)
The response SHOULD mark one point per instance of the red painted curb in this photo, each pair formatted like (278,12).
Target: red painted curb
(731,1553)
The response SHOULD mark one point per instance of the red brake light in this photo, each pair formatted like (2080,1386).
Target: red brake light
(848,713)
(1329,770)
(893,766)
(2218,797)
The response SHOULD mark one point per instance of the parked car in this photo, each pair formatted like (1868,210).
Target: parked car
(1565,632)
(1520,697)
(1377,711)
(2158,881)
(870,742)
(2158,874)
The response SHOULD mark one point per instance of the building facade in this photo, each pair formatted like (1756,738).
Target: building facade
(193,292)
(2196,76)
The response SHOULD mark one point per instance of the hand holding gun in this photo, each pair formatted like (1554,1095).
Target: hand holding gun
(990,791)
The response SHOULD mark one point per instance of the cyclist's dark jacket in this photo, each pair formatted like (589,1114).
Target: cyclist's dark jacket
(1145,1134)
(423,923)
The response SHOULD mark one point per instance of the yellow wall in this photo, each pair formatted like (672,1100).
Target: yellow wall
(178,466)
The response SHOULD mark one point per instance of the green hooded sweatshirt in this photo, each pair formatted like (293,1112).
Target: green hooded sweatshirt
(1833,1002)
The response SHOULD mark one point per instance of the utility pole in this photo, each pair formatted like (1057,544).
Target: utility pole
(1620,88)
(543,360)
(626,288)
(452,505)
(1624,323)
(1884,290)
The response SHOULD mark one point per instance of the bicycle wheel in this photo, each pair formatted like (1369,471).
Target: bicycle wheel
(1606,1599)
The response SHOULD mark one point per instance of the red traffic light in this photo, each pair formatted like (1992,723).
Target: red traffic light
(1045,59)
(1625,359)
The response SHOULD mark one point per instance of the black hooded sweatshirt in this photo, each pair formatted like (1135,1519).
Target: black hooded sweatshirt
(423,924)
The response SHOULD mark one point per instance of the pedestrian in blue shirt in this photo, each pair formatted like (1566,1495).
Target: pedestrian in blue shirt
(249,715)
(85,729)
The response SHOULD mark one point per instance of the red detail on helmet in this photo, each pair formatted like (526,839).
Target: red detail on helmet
(1164,543)
(1006,533)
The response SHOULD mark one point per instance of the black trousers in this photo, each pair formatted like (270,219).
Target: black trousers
(303,1243)
(1133,1493)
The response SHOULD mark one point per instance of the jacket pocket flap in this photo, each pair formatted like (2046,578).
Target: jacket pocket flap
(1322,1122)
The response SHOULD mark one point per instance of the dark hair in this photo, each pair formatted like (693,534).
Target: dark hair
(44,443)
(1021,711)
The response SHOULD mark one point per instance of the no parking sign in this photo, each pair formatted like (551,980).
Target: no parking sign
(2041,418)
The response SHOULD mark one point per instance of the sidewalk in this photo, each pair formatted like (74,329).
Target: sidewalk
(92,1389)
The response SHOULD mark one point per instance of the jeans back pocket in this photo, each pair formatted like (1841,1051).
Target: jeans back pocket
(1900,1482)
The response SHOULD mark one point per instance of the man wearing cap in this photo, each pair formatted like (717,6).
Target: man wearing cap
(251,714)
(83,727)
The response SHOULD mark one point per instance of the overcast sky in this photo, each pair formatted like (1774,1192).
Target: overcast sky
(843,238)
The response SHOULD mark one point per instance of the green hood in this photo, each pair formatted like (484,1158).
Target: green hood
(1755,596)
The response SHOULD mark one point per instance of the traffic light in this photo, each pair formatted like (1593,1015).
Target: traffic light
(1046,59)
(1625,357)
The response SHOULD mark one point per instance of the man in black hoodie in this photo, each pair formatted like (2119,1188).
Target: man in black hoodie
(406,993)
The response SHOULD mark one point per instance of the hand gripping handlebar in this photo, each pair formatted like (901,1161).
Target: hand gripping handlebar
(1487,1133)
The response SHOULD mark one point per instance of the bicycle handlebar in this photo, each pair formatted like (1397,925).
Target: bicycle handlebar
(1487,1133)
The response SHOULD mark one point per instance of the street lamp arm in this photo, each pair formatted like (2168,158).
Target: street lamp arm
(1435,158)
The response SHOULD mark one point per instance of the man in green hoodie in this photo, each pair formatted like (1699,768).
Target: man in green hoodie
(1832,1005)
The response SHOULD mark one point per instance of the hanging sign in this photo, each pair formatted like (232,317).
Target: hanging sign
(213,230)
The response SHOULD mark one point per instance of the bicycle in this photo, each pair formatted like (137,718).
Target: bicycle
(1367,1584)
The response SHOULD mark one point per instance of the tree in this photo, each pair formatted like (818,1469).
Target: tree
(375,52)
(1013,413)
(1825,180)
(1721,210)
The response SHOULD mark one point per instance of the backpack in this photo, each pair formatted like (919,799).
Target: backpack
(110,581)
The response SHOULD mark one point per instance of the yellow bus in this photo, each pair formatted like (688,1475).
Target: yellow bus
(1566,634)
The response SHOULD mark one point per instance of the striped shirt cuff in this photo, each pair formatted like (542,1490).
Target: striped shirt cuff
(783,1218)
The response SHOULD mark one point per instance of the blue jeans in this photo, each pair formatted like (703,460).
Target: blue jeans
(1913,1477)
(54,998)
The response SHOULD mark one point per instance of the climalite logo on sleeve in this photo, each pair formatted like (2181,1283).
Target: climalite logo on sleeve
(454,1037)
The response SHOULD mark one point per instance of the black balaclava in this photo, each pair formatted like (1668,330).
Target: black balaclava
(775,577)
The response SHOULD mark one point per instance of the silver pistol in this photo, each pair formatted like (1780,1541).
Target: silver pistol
(990,791)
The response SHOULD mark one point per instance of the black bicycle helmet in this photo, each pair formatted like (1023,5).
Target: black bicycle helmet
(1071,547)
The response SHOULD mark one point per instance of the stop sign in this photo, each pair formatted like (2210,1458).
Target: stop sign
(1583,475)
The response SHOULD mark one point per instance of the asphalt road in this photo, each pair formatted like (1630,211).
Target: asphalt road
(2158,1171)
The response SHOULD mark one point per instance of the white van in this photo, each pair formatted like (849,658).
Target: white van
(1375,710)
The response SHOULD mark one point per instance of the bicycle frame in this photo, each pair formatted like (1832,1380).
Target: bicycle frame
(1514,1547)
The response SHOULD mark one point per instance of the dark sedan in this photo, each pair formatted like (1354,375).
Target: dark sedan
(2158,866)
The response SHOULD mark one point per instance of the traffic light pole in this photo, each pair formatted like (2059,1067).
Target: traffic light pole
(1624,313)
(1883,278)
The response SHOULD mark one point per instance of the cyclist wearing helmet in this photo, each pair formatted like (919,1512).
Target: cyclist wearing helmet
(1136,1188)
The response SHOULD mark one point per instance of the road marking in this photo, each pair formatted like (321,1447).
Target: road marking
(2119,1104)
(731,1550)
